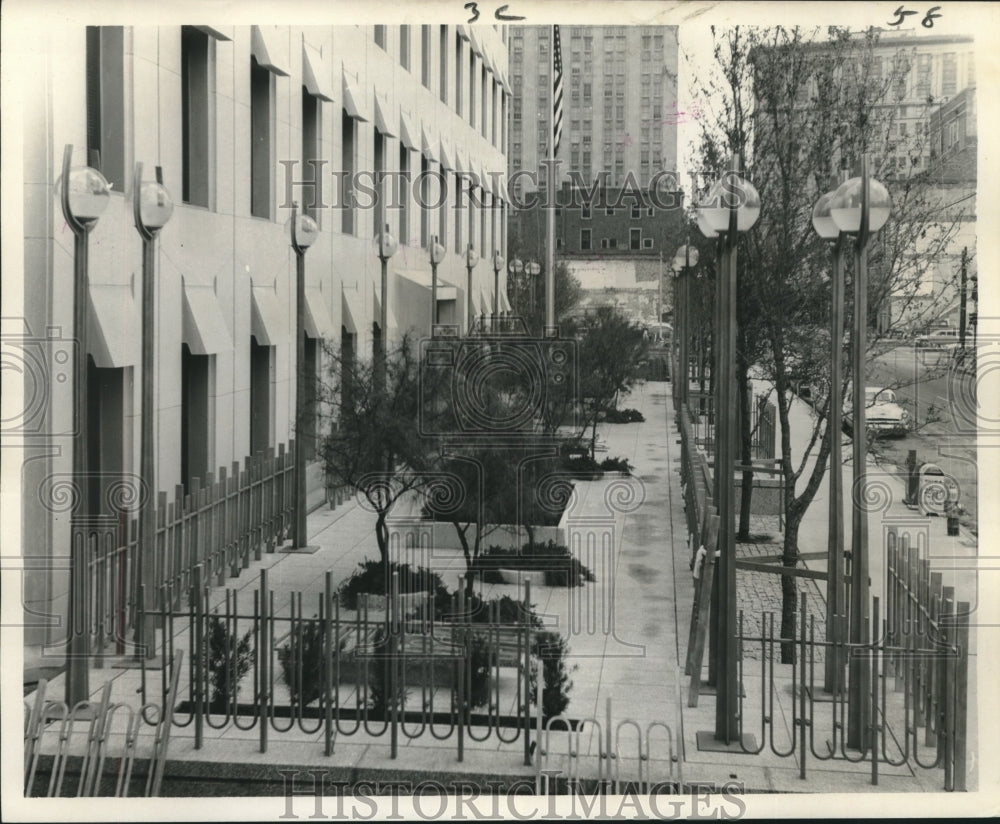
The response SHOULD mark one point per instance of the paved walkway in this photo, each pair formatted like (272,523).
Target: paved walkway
(627,634)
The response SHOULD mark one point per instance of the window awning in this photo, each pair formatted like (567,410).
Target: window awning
(504,302)
(463,32)
(485,180)
(114,326)
(447,156)
(317,318)
(267,322)
(429,147)
(351,309)
(477,46)
(316,73)
(445,291)
(382,119)
(270,47)
(218,32)
(505,84)
(408,133)
(204,328)
(355,104)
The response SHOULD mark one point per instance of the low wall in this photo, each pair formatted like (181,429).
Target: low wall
(407,534)
(766,497)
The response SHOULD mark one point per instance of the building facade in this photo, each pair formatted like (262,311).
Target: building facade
(241,120)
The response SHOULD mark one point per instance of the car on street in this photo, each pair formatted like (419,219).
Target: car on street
(883,413)
(938,339)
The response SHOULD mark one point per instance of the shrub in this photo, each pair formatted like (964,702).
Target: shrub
(305,646)
(229,660)
(511,611)
(372,578)
(379,678)
(560,567)
(551,648)
(624,416)
(581,466)
(617,465)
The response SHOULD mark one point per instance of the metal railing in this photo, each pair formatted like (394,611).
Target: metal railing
(413,669)
(220,524)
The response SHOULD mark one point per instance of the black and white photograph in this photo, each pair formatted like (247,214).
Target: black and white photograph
(499,410)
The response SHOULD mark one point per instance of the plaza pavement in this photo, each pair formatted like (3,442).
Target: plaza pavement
(628,645)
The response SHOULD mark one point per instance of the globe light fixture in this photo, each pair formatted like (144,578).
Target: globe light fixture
(155,205)
(471,259)
(88,193)
(515,266)
(845,207)
(498,263)
(385,244)
(303,231)
(822,220)
(728,191)
(437,253)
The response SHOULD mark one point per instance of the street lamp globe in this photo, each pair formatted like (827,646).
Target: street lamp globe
(89,193)
(729,190)
(305,231)
(845,208)
(385,244)
(823,221)
(704,227)
(498,261)
(471,257)
(515,266)
(155,205)
(532,268)
(687,255)
(437,253)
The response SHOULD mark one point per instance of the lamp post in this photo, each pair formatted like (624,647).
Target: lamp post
(437,255)
(827,229)
(471,259)
(859,207)
(498,263)
(152,207)
(304,232)
(385,247)
(685,258)
(732,207)
(84,195)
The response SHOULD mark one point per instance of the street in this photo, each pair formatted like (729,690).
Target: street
(942,409)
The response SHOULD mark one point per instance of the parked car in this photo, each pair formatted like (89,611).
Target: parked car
(938,339)
(883,414)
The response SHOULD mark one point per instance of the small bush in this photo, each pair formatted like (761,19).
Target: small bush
(478,611)
(581,466)
(306,648)
(551,648)
(379,678)
(560,567)
(229,660)
(617,465)
(372,578)
(624,416)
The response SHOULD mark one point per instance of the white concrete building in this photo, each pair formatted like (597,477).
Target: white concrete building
(226,112)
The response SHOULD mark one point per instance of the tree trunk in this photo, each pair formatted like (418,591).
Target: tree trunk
(382,536)
(789,591)
(746,449)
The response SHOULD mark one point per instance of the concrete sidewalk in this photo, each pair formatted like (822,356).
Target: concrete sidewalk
(627,634)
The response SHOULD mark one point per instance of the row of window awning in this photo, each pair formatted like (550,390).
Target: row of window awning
(114,319)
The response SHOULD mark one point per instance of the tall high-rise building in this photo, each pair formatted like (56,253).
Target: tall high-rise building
(619,101)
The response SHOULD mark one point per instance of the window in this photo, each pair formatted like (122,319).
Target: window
(380,36)
(311,151)
(458,214)
(647,243)
(260,139)
(444,63)
(195,116)
(348,163)
(425,199)
(379,213)
(604,243)
(636,213)
(458,73)
(261,389)
(404,47)
(610,210)
(649,212)
(587,88)
(483,99)
(404,194)
(196,406)
(585,240)
(106,101)
(635,239)
(949,74)
(425,56)
(472,88)
(612,243)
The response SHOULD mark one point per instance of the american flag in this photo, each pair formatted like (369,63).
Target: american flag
(557,91)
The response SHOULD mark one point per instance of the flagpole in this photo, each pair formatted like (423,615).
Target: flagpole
(550,251)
